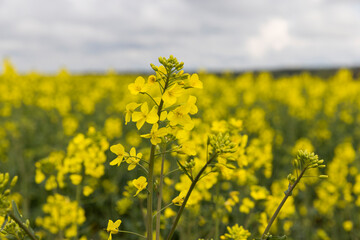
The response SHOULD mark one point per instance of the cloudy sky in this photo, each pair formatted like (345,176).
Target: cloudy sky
(96,35)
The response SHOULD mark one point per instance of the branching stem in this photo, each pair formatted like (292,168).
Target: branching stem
(192,186)
(288,193)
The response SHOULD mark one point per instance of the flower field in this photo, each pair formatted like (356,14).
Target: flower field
(93,154)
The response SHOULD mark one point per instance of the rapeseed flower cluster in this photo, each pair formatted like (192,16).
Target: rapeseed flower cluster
(267,118)
(83,161)
(63,216)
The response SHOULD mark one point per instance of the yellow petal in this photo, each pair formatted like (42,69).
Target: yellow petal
(163,115)
(152,117)
(140,123)
(136,116)
(140,81)
(118,149)
(117,223)
(144,108)
(132,106)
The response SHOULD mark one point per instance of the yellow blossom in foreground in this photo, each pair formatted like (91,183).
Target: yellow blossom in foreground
(156,134)
(180,116)
(179,200)
(119,150)
(112,227)
(138,87)
(145,116)
(133,159)
(190,105)
(172,93)
(130,108)
(194,81)
(140,183)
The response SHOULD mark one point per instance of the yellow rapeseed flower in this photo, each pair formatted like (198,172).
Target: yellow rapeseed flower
(138,87)
(140,183)
(156,134)
(119,150)
(194,81)
(130,108)
(112,227)
(133,159)
(180,116)
(171,94)
(145,116)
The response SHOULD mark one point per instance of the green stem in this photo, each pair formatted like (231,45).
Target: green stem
(192,186)
(288,193)
(133,233)
(160,194)
(151,98)
(146,171)
(158,212)
(150,194)
(172,171)
(23,226)
(150,176)
(217,219)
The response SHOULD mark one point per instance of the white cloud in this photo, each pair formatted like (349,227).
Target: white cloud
(273,36)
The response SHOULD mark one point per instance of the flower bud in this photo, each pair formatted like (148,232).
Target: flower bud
(14,181)
(155,68)
(7,192)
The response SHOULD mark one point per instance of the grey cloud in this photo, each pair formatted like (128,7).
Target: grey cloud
(128,35)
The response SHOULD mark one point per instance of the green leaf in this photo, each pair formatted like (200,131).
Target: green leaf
(16,211)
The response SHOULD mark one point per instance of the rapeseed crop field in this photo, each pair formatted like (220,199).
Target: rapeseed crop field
(177,155)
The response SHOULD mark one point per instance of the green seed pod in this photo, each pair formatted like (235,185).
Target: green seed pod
(323,176)
(322,166)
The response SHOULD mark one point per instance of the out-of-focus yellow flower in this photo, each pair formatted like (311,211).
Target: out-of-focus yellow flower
(348,225)
(169,213)
(246,205)
(236,232)
(258,192)
(75,179)
(87,190)
(140,183)
(62,215)
(113,127)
